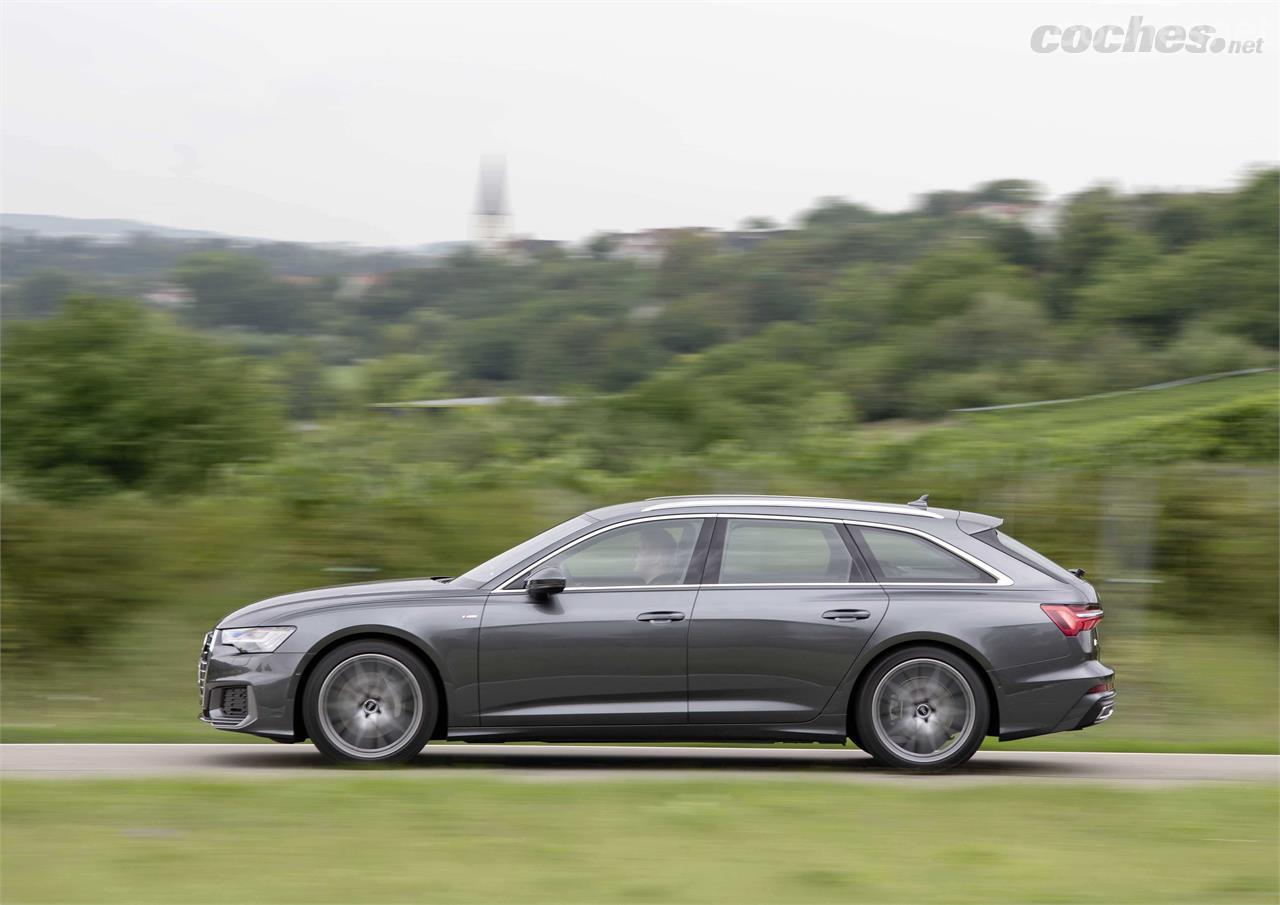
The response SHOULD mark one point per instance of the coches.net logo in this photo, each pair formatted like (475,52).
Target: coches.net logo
(1137,38)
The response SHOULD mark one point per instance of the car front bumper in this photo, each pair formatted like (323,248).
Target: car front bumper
(251,693)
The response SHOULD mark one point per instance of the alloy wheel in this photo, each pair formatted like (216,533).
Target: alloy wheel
(370,706)
(923,710)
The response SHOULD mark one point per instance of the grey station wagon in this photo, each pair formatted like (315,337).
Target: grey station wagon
(912,630)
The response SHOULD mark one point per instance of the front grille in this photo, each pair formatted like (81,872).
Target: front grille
(203,666)
(233,702)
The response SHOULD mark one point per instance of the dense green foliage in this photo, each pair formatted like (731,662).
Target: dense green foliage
(149,487)
(948,305)
(1166,498)
(106,396)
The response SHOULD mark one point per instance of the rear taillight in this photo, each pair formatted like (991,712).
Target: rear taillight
(1073,618)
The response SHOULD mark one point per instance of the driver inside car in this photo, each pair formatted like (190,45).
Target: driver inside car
(655,560)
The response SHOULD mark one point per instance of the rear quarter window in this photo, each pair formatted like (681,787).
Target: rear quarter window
(1021,552)
(903,557)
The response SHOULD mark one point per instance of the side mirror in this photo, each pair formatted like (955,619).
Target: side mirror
(544,583)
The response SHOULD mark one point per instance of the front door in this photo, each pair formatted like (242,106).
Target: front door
(611,648)
(787,607)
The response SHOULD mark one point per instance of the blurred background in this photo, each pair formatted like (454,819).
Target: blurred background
(547,258)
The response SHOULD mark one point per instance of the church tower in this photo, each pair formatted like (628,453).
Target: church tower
(492,223)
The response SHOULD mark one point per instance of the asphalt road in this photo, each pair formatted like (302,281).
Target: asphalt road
(253,761)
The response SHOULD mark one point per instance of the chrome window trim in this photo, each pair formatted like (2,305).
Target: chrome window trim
(708,587)
(611,587)
(1001,580)
(796,503)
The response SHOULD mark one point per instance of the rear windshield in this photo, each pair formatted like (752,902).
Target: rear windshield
(1022,552)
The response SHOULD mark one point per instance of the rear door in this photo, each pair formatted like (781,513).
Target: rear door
(786,606)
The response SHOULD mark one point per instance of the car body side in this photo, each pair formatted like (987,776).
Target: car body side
(1037,677)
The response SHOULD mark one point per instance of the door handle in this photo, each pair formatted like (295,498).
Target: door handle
(846,615)
(661,616)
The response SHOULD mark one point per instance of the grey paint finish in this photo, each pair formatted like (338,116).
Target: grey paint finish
(743,662)
(768,655)
(585,658)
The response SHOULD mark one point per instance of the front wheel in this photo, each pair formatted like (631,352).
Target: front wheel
(370,702)
(923,709)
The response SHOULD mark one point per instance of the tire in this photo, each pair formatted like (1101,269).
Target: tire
(923,709)
(370,702)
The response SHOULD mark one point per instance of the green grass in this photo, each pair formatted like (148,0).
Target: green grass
(1200,421)
(399,839)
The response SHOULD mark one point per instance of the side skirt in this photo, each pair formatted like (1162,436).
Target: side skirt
(827,729)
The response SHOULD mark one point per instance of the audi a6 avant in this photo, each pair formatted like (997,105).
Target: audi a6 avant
(914,631)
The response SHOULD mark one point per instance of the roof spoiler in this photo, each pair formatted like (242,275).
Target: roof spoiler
(973,522)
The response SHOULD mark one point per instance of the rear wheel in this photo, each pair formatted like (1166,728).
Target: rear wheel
(922,708)
(370,702)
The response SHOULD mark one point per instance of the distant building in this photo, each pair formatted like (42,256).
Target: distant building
(167,295)
(747,239)
(1003,211)
(526,249)
(648,246)
(492,216)
(358,285)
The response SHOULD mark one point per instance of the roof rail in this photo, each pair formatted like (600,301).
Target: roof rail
(790,502)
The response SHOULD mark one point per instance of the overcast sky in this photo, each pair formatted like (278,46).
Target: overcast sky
(366,122)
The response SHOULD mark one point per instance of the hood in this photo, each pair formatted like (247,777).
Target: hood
(279,610)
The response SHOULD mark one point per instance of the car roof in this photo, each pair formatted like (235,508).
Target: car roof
(758,504)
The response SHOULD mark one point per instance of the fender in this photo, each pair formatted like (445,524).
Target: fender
(842,698)
(422,647)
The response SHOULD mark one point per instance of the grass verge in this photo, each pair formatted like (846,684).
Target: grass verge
(492,840)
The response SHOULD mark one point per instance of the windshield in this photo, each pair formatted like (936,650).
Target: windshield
(492,568)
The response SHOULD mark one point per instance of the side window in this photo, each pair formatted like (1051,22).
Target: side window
(762,551)
(656,553)
(909,557)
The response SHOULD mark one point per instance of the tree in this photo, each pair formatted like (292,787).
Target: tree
(601,246)
(688,265)
(1230,281)
(1091,230)
(832,211)
(106,395)
(948,281)
(771,295)
(234,290)
(1255,207)
(943,203)
(39,294)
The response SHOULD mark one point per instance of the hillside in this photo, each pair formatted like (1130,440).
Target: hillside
(108,228)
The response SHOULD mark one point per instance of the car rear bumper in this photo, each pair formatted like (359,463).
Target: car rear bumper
(1097,708)
(1053,697)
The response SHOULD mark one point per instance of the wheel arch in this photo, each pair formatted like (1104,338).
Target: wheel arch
(371,633)
(951,645)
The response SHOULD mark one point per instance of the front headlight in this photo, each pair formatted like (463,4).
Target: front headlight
(260,640)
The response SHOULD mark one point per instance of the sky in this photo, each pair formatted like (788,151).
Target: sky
(366,122)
